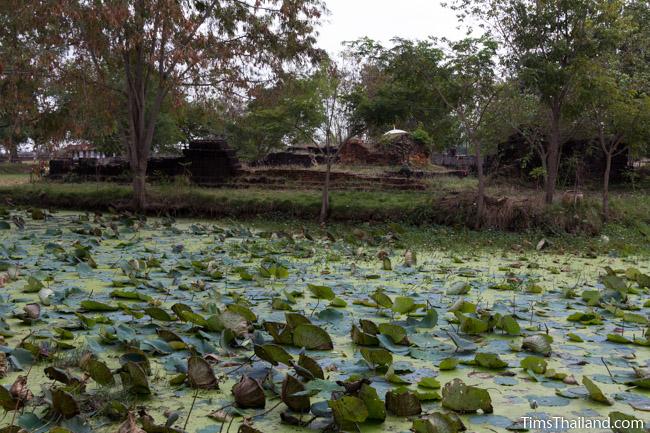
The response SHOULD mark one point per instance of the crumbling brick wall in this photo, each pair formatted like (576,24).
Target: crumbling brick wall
(396,150)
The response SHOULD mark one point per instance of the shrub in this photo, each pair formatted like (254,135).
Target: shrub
(421,136)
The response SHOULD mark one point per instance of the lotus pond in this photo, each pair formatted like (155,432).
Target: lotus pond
(113,323)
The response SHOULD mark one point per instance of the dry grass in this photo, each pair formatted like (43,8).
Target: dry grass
(12,174)
(13,179)
(366,170)
(16,168)
(450,184)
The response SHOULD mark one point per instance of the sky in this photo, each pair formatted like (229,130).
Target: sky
(384,19)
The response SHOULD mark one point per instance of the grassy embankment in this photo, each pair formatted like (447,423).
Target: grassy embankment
(14,174)
(519,220)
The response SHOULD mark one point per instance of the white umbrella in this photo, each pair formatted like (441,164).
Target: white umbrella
(396,132)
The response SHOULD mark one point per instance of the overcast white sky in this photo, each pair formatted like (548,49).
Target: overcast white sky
(383,19)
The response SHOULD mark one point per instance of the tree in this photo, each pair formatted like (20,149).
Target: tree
(336,130)
(615,93)
(621,118)
(205,116)
(518,112)
(156,47)
(288,112)
(394,88)
(87,112)
(22,77)
(547,44)
(468,87)
(83,111)
(329,88)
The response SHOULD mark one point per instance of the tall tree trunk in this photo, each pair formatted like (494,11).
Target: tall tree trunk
(543,157)
(138,152)
(13,148)
(608,169)
(139,159)
(480,200)
(139,187)
(141,129)
(325,199)
(553,157)
(14,154)
(141,123)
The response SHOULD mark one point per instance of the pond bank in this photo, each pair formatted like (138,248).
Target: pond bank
(453,208)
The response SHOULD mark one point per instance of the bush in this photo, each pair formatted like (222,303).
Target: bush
(421,136)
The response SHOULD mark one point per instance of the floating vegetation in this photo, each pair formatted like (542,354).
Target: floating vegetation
(115,323)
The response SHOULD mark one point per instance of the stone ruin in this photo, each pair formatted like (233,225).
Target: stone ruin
(210,161)
(206,161)
(300,156)
(452,160)
(393,149)
(278,159)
